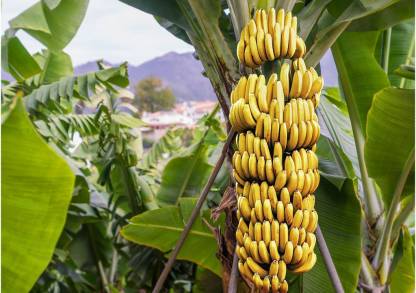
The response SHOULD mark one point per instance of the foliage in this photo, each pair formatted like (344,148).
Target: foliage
(152,96)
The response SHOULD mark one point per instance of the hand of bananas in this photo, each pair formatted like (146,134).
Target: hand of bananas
(275,166)
(269,36)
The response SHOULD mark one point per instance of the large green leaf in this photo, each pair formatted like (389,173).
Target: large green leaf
(161,228)
(55,27)
(359,72)
(36,190)
(394,14)
(184,175)
(17,60)
(56,66)
(340,221)
(400,46)
(390,138)
(403,276)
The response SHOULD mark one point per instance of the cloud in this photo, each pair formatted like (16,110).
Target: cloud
(111,30)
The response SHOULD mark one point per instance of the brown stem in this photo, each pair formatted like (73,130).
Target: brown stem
(232,286)
(194,215)
(329,263)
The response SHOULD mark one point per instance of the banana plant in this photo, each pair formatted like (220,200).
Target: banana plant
(367,191)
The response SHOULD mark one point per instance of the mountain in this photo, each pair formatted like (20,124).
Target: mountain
(181,72)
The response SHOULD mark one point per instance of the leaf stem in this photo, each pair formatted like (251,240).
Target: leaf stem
(409,55)
(386,50)
(194,215)
(402,217)
(380,257)
(329,263)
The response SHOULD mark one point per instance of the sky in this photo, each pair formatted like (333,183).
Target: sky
(111,30)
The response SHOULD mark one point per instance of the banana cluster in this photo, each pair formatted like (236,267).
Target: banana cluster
(269,36)
(274,165)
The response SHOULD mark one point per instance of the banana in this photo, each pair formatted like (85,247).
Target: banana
(280,212)
(283,136)
(297,219)
(307,80)
(308,184)
(259,126)
(248,58)
(247,242)
(292,182)
(254,252)
(275,284)
(261,172)
(311,240)
(304,159)
(294,235)
(287,115)
(277,36)
(243,253)
(267,211)
(302,133)
(312,160)
(297,197)
(282,270)
(272,108)
(272,80)
(254,108)
(284,196)
(248,118)
(317,86)
(238,167)
(274,253)
(284,76)
(241,143)
(257,147)
(269,47)
(256,268)
(245,165)
(263,191)
(271,193)
(281,17)
(295,115)
(249,142)
(265,152)
(241,268)
(269,172)
(297,160)
(238,189)
(263,252)
(242,226)
(258,209)
(279,94)
(297,254)
(247,270)
(288,19)
(285,42)
(274,268)
(316,98)
(246,189)
(252,29)
(288,253)
(250,86)
(284,287)
(252,166)
(260,45)
(239,237)
(284,236)
(281,179)
(275,129)
(240,51)
(278,151)
(294,23)
(289,213)
(293,137)
(241,88)
(296,85)
(264,21)
(292,42)
(266,285)
(309,133)
(262,99)
(277,165)
(308,265)
(267,128)
(305,219)
(244,207)
(255,192)
(302,235)
(271,17)
(313,222)
(257,281)
(316,131)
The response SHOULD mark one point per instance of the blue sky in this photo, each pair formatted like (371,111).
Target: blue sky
(111,30)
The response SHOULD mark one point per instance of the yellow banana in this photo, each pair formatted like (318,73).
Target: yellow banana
(254,108)
(302,133)
(269,47)
(316,132)
(302,235)
(313,222)
(281,179)
(241,88)
(248,58)
(271,193)
(252,166)
(278,151)
(296,85)
(265,152)
(247,270)
(269,172)
(289,213)
(258,209)
(258,282)
(261,81)
(243,253)
(275,130)
(297,160)
(305,219)
(263,191)
(297,219)
(293,137)
(257,146)
(244,207)
(245,165)
(281,17)
(311,240)
(297,254)
(266,285)
(275,284)
(241,143)
(288,253)
(263,252)
(242,226)
(282,271)
(267,128)
(280,212)
(308,265)
(267,211)
(266,232)
(285,42)
(284,78)
(297,198)
(237,166)
(248,118)
(259,126)
(274,253)
(284,236)
(260,45)
(250,86)
(292,42)
(277,165)
(292,182)
(255,192)
(274,268)
(274,231)
(254,252)
(256,268)
(262,99)
(283,136)
(307,80)
(294,235)
(240,51)
(249,142)
(270,83)
(294,23)
(284,196)
(252,29)
(288,115)
(288,19)
(277,40)
(264,21)
(309,133)
(271,17)
(247,241)
(261,172)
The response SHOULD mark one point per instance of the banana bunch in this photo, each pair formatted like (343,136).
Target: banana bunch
(274,164)
(269,36)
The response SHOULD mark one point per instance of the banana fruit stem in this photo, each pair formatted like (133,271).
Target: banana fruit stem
(194,215)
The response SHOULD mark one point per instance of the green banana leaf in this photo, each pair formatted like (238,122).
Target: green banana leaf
(16,60)
(340,221)
(161,228)
(46,24)
(36,191)
(359,72)
(390,138)
(56,66)
(184,175)
(403,276)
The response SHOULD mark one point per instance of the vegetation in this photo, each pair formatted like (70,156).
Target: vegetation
(152,96)
(102,216)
